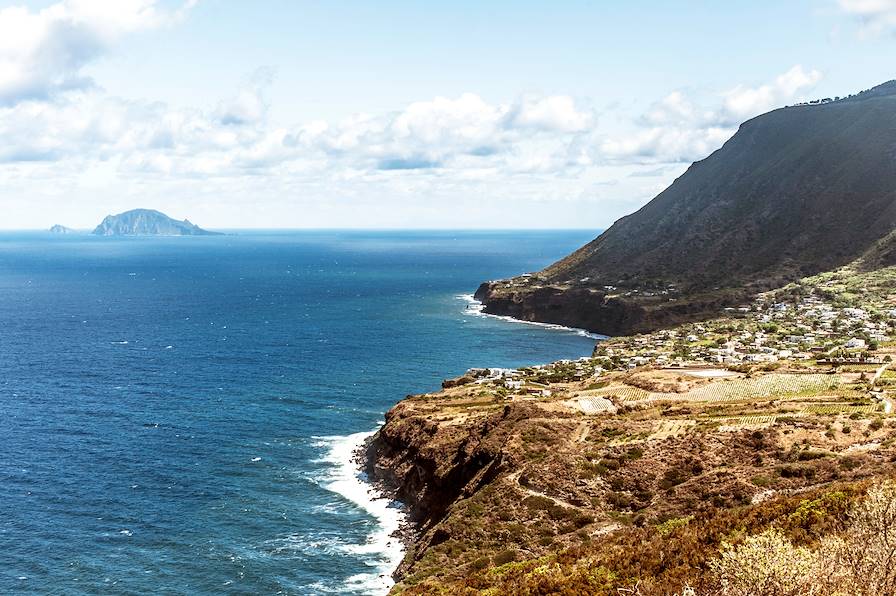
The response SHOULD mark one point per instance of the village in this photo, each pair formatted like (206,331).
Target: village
(826,342)
(773,397)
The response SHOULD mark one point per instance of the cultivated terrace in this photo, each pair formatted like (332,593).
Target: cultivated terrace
(628,470)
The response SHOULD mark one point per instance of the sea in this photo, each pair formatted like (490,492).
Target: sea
(178,415)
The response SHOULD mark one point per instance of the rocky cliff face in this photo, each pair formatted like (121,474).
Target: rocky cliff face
(147,222)
(430,466)
(584,308)
(597,310)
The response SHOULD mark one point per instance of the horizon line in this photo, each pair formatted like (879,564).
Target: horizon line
(88,231)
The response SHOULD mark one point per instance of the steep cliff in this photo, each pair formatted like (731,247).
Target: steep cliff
(431,465)
(600,310)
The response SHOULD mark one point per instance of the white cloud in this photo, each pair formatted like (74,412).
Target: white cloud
(876,16)
(250,104)
(551,135)
(43,53)
(466,118)
(744,102)
(556,113)
(671,144)
(462,132)
(453,148)
(675,107)
(678,129)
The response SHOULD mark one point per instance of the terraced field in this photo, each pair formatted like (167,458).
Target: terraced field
(625,393)
(772,385)
(764,387)
(742,422)
(595,405)
(671,428)
(842,409)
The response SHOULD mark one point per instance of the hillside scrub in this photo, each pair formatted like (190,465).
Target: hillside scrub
(821,543)
(857,560)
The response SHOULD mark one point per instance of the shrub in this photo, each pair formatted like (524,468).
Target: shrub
(680,473)
(766,565)
(817,515)
(538,503)
(610,463)
(504,557)
(810,454)
(480,563)
(860,560)
(619,500)
(580,519)
(849,462)
(796,471)
(670,525)
(761,481)
(857,561)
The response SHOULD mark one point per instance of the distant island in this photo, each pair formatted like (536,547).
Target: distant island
(148,222)
(60,229)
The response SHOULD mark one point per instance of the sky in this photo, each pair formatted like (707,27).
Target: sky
(391,114)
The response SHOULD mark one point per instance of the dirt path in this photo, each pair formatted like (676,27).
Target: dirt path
(514,479)
(582,432)
(888,403)
(878,374)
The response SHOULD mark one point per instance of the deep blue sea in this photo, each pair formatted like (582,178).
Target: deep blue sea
(177,414)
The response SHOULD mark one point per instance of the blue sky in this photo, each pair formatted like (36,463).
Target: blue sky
(398,114)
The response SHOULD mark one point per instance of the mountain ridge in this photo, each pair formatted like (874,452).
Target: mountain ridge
(796,191)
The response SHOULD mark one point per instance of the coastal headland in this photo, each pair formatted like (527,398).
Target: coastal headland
(629,469)
(746,389)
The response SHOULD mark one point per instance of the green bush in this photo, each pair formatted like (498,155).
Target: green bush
(504,557)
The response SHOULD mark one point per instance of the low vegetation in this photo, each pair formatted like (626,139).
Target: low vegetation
(728,457)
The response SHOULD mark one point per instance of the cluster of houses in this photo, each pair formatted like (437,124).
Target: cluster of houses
(809,329)
(532,380)
(766,331)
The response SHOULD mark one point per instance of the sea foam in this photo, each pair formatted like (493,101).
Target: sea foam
(383,549)
(476,308)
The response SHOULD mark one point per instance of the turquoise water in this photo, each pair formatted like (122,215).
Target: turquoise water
(178,413)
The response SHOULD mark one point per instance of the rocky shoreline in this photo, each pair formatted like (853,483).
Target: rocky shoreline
(599,310)
(412,460)
(407,533)
(570,467)
(581,308)
(430,467)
